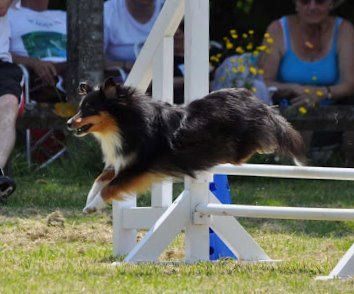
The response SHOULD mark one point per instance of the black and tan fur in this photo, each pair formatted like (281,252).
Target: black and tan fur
(144,141)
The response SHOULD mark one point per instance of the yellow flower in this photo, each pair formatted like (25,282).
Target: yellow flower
(251,32)
(241,68)
(319,93)
(249,46)
(233,31)
(266,35)
(253,89)
(262,48)
(253,70)
(255,53)
(244,35)
(234,69)
(261,71)
(307,91)
(229,45)
(302,110)
(309,45)
(64,109)
(269,40)
(218,55)
(239,50)
(234,36)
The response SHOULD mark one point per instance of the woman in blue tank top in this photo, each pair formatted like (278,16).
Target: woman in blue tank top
(312,57)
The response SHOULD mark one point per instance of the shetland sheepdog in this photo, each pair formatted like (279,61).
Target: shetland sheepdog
(144,141)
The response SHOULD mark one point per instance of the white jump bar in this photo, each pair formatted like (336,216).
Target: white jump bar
(285,171)
(300,213)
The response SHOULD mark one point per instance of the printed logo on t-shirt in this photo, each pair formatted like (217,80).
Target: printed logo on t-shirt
(44,24)
(45,44)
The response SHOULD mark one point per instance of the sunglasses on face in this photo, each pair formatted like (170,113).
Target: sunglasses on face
(318,2)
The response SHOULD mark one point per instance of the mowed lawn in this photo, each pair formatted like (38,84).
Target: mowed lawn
(48,246)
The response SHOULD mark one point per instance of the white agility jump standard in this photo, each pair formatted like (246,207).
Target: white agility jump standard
(197,209)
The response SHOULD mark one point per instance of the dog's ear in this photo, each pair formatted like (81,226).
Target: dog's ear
(109,88)
(84,88)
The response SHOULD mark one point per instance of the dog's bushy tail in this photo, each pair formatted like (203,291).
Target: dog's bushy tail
(289,142)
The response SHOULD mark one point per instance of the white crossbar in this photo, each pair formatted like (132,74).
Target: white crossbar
(301,213)
(285,171)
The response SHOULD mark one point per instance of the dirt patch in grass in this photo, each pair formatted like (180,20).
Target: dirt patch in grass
(32,228)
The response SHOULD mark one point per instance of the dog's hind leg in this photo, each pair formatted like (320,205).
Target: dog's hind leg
(102,180)
(125,183)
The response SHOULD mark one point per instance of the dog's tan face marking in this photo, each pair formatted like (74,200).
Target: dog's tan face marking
(101,123)
(138,184)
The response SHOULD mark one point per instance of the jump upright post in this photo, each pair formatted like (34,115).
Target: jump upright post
(196,209)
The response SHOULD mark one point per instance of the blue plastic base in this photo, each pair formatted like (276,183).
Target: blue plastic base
(220,188)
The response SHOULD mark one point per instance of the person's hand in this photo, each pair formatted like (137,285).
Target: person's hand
(309,98)
(297,90)
(45,70)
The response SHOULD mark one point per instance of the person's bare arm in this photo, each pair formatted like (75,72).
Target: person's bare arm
(113,64)
(345,87)
(44,69)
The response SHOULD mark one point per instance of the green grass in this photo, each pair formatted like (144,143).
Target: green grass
(36,257)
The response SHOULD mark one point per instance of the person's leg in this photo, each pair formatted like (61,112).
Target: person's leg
(10,92)
(8,114)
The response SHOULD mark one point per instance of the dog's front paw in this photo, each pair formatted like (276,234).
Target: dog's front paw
(88,210)
(96,205)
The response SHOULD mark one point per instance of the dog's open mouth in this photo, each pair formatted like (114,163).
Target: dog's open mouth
(82,130)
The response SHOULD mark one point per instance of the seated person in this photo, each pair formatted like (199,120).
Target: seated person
(127,24)
(38,41)
(10,92)
(312,57)
(311,61)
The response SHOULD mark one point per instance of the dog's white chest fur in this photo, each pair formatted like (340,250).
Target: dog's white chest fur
(112,151)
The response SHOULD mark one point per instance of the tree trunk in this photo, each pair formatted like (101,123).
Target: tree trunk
(85,43)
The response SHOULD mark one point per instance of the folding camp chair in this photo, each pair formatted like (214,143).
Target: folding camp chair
(40,145)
